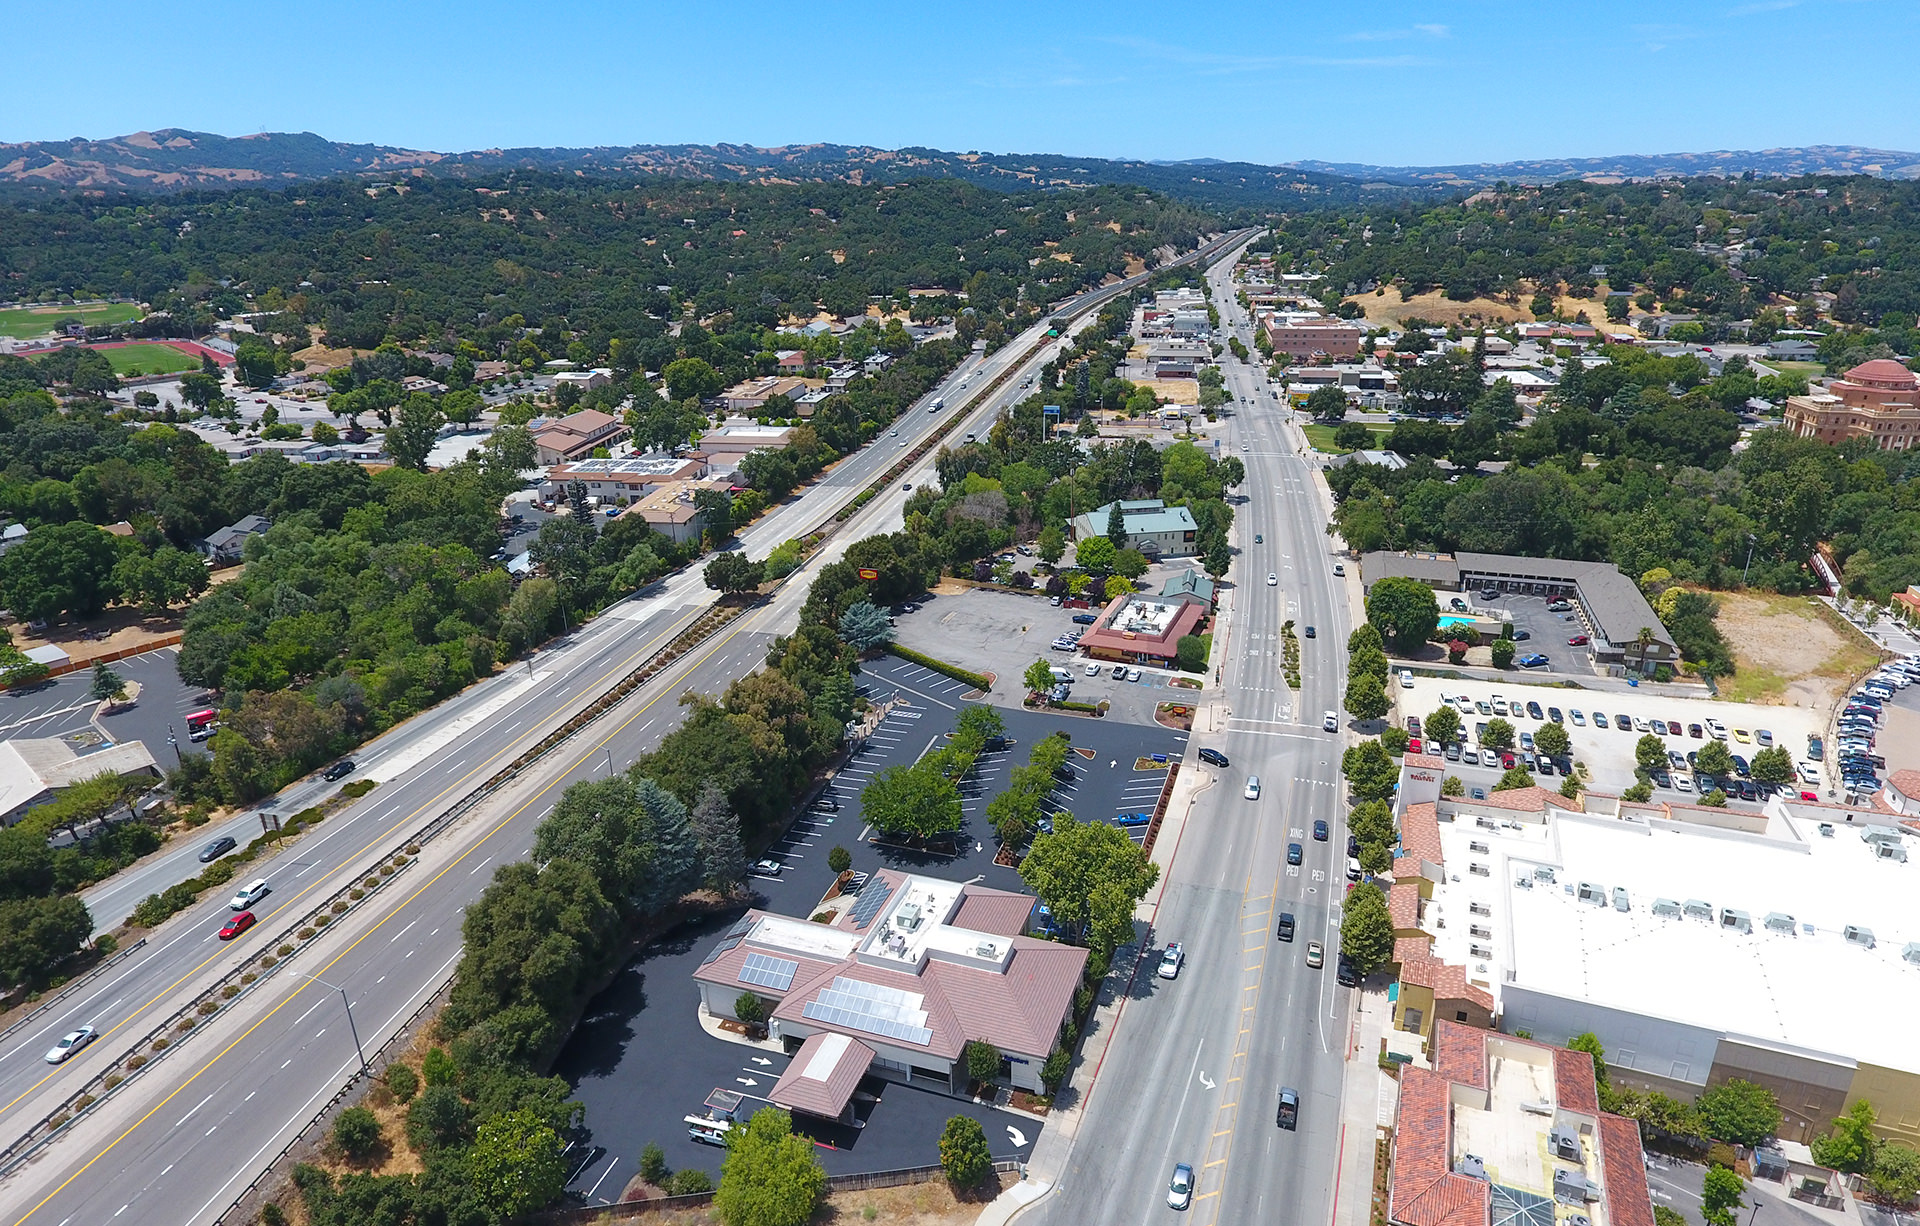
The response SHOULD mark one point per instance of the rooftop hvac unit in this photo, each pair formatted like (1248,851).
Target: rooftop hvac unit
(1537,1107)
(1485,934)
(986,949)
(909,916)
(1778,922)
(1479,908)
(1890,851)
(1480,951)
(1856,935)
(1666,907)
(1565,1142)
(1911,953)
(1576,1219)
(1479,847)
(1479,870)
(1698,909)
(1473,1167)
(1485,823)
(1739,921)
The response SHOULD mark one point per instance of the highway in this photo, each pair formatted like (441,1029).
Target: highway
(182,1140)
(1196,1064)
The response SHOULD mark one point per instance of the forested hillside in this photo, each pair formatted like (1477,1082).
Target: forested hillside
(1718,248)
(482,260)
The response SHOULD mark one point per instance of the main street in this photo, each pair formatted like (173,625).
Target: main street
(183,1140)
(1196,1065)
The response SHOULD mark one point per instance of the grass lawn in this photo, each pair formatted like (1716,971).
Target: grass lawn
(1788,649)
(150,359)
(1321,436)
(23,322)
(1809,369)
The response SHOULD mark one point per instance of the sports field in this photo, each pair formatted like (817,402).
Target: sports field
(149,359)
(24,322)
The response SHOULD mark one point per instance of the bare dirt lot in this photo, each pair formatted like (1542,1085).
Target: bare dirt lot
(919,1204)
(1435,306)
(1789,651)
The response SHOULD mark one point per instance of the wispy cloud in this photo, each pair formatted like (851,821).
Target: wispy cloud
(1427,29)
(1212,63)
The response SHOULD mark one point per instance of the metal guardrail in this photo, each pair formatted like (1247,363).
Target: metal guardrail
(403,854)
(71,986)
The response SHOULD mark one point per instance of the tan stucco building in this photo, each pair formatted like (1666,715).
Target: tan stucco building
(1879,400)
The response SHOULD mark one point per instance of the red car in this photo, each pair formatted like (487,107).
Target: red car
(1413,744)
(1578,640)
(1806,795)
(237,925)
(1507,760)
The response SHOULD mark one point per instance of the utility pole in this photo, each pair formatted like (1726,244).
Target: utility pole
(351,1028)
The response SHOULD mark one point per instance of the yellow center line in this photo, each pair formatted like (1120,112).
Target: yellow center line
(323,879)
(383,921)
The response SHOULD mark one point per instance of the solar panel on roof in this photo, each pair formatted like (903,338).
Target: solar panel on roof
(869,1007)
(871,899)
(767,971)
(732,937)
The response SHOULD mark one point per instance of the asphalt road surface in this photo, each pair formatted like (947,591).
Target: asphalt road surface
(1196,1065)
(181,1141)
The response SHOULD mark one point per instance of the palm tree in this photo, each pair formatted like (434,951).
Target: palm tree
(1644,637)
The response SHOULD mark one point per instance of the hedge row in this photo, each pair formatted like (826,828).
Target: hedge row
(976,680)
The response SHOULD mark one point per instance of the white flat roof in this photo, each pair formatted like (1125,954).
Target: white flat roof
(822,941)
(1812,990)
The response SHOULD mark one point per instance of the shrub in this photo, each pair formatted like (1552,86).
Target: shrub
(159,1044)
(228,991)
(269,962)
(208,1008)
(284,950)
(964,1152)
(1054,1071)
(689,1182)
(83,1102)
(59,1121)
(134,1062)
(112,1080)
(945,669)
(340,907)
(839,859)
(356,1133)
(249,977)
(322,920)
(359,788)
(653,1165)
(305,934)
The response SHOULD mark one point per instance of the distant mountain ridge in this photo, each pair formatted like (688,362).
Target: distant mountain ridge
(174,159)
(1727,163)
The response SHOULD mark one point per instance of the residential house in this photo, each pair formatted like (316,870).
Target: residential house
(224,546)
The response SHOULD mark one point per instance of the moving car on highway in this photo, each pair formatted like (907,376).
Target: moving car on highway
(70,1043)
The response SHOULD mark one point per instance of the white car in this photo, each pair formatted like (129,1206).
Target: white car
(250,893)
(1809,774)
(1273,580)
(1170,960)
(1133,674)
(1093,670)
(1330,721)
(1253,787)
(1180,1189)
(1716,729)
(1406,679)
(70,1043)
(765,868)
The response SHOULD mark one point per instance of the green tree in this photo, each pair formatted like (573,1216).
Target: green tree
(865,626)
(1716,799)
(1090,875)
(917,801)
(517,1163)
(38,934)
(1190,652)
(1773,765)
(1638,793)
(1366,930)
(1713,758)
(769,1176)
(1514,777)
(689,1181)
(1130,564)
(199,389)
(1589,1043)
(692,379)
(1499,734)
(1327,403)
(1095,554)
(1352,436)
(1649,753)
(1116,586)
(439,1118)
(1740,1112)
(983,1060)
(751,1010)
(254,364)
(1720,1196)
(1372,822)
(839,860)
(356,1133)
(1116,526)
(1502,651)
(1896,1172)
(732,573)
(106,683)
(1038,677)
(1404,611)
(1051,545)
(1366,697)
(633,835)
(1371,772)
(59,568)
(414,432)
(1850,1144)
(403,1082)
(963,1150)
(158,580)
(653,1165)
(1553,740)
(1443,725)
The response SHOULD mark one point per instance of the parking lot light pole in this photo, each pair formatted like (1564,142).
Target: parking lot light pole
(351,1028)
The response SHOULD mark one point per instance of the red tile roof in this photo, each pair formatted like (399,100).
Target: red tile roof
(1019,1011)
(1419,841)
(1460,1053)
(1446,981)
(1629,1203)
(1425,1190)
(1403,905)
(1573,1081)
(1424,759)
(1000,912)
(823,1076)
(1530,800)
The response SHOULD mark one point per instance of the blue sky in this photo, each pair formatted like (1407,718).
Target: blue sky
(1383,82)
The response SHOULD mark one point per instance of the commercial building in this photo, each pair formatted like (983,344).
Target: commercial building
(1879,400)
(34,770)
(1610,607)
(1699,944)
(573,437)
(897,986)
(1306,340)
(753,395)
(1154,528)
(1141,629)
(669,510)
(624,480)
(585,380)
(1501,1131)
(728,445)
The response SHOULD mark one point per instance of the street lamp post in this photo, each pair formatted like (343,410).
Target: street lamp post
(351,1028)
(1751,540)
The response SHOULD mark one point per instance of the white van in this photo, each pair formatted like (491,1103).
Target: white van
(1061,674)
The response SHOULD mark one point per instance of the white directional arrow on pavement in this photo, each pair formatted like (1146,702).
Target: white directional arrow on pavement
(1019,1138)
(746,1081)
(1206,1080)
(761,1060)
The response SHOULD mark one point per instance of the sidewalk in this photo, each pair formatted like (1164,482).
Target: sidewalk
(1367,1102)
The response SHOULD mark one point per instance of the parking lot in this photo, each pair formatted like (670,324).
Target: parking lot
(1536,629)
(1002,633)
(640,1060)
(60,707)
(1607,752)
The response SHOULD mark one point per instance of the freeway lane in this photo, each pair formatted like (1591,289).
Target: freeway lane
(1194,1071)
(393,967)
